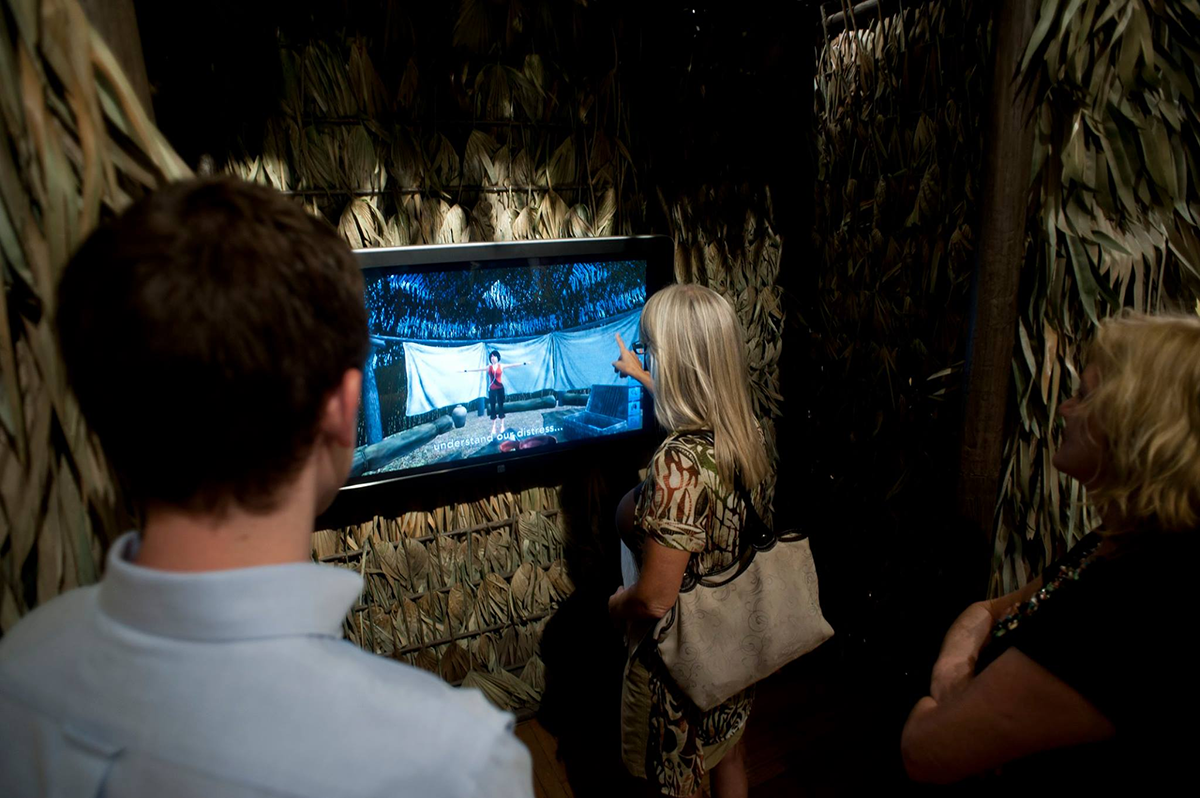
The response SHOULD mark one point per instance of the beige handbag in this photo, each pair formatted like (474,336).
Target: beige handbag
(727,632)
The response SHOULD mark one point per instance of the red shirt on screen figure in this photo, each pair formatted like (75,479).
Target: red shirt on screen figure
(495,394)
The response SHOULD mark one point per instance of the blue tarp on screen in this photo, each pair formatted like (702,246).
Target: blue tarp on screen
(441,376)
(583,358)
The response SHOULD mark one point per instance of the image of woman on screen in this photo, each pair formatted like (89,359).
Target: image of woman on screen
(686,517)
(495,394)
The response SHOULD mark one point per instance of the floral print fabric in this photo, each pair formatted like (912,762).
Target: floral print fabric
(683,505)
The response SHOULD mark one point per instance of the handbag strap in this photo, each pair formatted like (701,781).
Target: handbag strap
(760,535)
(754,537)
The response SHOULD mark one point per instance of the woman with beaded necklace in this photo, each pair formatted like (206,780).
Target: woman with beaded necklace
(1084,675)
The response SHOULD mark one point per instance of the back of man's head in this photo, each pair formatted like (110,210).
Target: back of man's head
(202,332)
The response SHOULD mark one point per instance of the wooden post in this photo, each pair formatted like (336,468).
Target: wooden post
(116,23)
(1007,164)
(373,419)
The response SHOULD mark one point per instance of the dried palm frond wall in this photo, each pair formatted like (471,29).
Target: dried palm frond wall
(75,147)
(528,149)
(394,183)
(898,135)
(1113,223)
(463,591)
(741,262)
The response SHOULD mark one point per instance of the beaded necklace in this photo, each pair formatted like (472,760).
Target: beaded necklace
(1067,574)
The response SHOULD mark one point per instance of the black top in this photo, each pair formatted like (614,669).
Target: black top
(1119,630)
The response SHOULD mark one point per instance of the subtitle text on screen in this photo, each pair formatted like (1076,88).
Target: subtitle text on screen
(481,440)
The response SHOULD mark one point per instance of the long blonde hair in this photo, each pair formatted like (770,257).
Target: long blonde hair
(1147,406)
(698,363)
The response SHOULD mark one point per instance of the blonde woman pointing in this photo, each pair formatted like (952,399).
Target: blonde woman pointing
(686,518)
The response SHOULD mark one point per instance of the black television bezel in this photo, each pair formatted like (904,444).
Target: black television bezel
(658,253)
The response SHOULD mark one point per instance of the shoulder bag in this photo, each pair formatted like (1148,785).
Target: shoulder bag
(727,632)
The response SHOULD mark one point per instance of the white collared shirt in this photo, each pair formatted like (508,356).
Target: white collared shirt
(233,683)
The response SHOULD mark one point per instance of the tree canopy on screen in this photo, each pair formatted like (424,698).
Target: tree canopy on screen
(491,304)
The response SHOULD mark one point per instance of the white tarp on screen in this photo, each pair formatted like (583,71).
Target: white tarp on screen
(440,376)
(583,358)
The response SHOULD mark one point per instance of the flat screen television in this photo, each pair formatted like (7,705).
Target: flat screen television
(485,356)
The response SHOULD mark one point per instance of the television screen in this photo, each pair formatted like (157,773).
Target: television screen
(491,353)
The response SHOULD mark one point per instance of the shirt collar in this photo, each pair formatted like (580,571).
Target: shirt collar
(237,604)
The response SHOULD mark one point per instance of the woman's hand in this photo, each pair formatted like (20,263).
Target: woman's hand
(955,666)
(629,365)
(970,632)
(951,674)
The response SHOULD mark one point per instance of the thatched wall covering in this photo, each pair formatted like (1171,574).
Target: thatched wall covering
(1113,223)
(75,147)
(899,112)
(898,133)
(463,591)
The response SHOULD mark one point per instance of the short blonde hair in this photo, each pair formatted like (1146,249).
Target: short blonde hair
(698,363)
(1147,406)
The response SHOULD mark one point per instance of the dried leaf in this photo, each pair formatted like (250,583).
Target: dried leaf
(455,663)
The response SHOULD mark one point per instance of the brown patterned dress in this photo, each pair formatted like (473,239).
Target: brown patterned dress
(683,505)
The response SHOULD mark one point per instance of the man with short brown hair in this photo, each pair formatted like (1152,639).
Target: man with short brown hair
(214,335)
